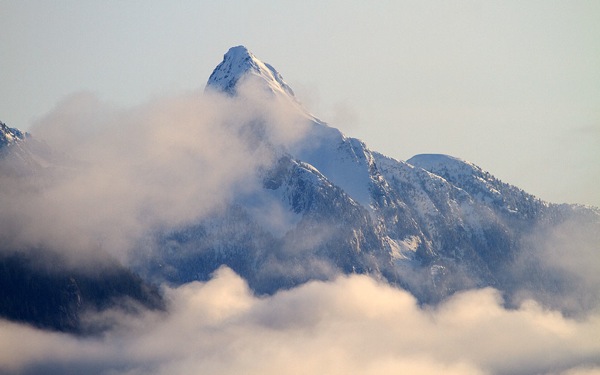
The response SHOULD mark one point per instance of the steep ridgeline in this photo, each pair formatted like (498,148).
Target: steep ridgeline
(434,224)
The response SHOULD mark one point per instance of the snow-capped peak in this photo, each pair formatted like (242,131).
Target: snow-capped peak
(240,63)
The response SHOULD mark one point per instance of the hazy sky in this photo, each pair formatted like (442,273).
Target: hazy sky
(513,86)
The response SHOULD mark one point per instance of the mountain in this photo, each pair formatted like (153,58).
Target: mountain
(434,224)
(326,205)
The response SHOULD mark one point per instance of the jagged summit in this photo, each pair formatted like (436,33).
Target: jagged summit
(240,63)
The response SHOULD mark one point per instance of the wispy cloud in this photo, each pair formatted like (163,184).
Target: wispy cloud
(559,264)
(165,163)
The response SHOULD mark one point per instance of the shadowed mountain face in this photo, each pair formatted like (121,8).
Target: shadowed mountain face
(322,204)
(46,294)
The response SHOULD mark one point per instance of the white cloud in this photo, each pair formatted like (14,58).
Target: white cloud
(353,325)
(164,163)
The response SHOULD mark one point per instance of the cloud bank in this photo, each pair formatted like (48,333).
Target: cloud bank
(352,325)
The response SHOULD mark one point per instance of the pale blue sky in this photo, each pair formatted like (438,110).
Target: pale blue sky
(513,86)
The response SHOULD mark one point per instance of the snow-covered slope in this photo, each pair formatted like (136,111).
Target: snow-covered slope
(481,185)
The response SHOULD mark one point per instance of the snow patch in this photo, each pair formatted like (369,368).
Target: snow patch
(405,248)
